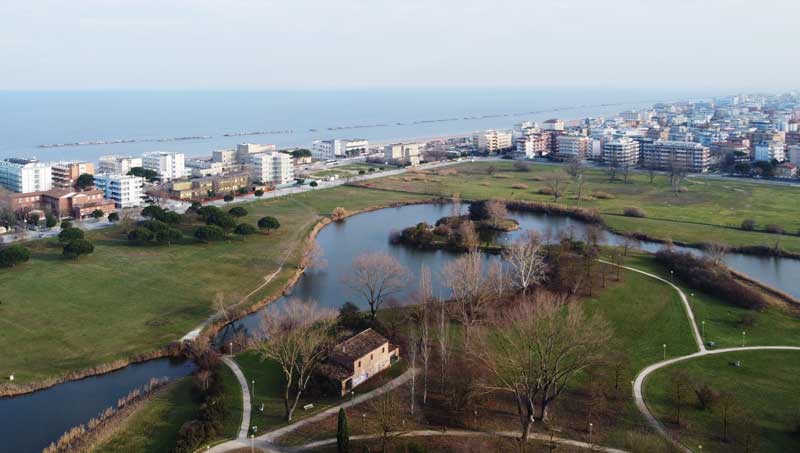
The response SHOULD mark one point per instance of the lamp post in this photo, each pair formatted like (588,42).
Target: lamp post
(672,275)
(743,336)
(253,389)
(230,348)
(590,434)
(364,417)
(703,324)
(665,350)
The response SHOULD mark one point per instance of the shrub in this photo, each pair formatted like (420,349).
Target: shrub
(228,197)
(339,213)
(113,217)
(98,214)
(546,191)
(603,195)
(237,211)
(583,214)
(342,433)
(633,211)
(748,224)
(269,223)
(190,436)
(78,247)
(14,254)
(210,233)
(519,186)
(242,191)
(774,229)
(361,172)
(313,184)
(50,221)
(70,234)
(169,235)
(66,224)
(521,166)
(245,229)
(140,235)
(258,193)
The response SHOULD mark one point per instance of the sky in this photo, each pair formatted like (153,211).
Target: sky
(366,44)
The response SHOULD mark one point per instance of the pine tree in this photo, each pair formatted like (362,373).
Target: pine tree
(342,433)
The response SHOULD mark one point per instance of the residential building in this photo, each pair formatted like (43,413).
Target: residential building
(621,152)
(663,155)
(492,141)
(199,168)
(63,202)
(200,188)
(553,125)
(127,191)
(572,147)
(402,153)
(167,164)
(272,168)
(338,149)
(531,146)
(119,165)
(226,157)
(25,175)
(245,151)
(793,152)
(360,357)
(769,151)
(65,174)
(786,170)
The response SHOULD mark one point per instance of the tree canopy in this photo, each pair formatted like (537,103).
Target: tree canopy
(74,249)
(13,254)
(269,223)
(85,180)
(70,234)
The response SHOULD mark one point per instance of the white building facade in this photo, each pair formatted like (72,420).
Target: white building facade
(25,176)
(168,165)
(402,153)
(245,151)
(118,164)
(621,152)
(127,191)
(492,141)
(769,151)
(338,149)
(272,168)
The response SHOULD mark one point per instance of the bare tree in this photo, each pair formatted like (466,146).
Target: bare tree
(579,184)
(537,349)
(468,236)
(413,352)
(297,338)
(376,276)
(629,241)
(313,256)
(496,209)
(557,184)
(716,251)
(424,314)
(651,172)
(677,174)
(626,171)
(443,338)
(574,168)
(219,304)
(727,408)
(499,280)
(611,171)
(385,418)
(526,260)
(469,289)
(679,383)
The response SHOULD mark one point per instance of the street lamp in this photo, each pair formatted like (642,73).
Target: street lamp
(743,336)
(364,417)
(230,348)
(672,275)
(590,433)
(703,324)
(665,350)
(253,391)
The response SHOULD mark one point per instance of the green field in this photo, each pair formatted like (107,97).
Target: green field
(707,209)
(765,387)
(62,315)
(345,171)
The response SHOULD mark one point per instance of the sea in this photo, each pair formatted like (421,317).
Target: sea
(197,122)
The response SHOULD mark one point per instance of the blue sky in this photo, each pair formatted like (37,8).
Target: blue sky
(320,44)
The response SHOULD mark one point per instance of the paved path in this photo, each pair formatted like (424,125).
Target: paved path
(246,406)
(638,383)
(461,433)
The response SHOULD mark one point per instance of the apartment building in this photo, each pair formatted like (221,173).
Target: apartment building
(553,125)
(25,175)
(272,168)
(492,141)
(199,168)
(167,164)
(793,152)
(126,191)
(245,151)
(65,174)
(200,188)
(663,155)
(63,202)
(226,157)
(402,153)
(119,165)
(769,151)
(572,147)
(337,149)
(621,152)
(531,146)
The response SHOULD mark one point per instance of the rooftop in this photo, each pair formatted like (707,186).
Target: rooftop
(356,347)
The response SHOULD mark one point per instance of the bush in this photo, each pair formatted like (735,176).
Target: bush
(245,229)
(50,221)
(242,191)
(258,193)
(228,197)
(66,224)
(546,191)
(140,235)
(748,225)
(98,214)
(113,217)
(519,186)
(339,213)
(774,229)
(521,166)
(633,211)
(70,234)
(13,254)
(583,214)
(169,235)
(361,172)
(313,184)
(237,211)
(269,223)
(603,195)
(78,247)
(190,436)
(210,233)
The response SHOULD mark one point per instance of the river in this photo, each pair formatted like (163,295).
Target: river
(30,422)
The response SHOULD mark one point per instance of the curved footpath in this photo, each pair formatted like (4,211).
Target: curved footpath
(638,383)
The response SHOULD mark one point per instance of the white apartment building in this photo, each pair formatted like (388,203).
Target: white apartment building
(794,154)
(402,153)
(167,164)
(553,125)
(118,164)
(24,175)
(337,149)
(662,155)
(66,174)
(573,147)
(531,146)
(202,167)
(127,191)
(272,168)
(767,151)
(492,141)
(227,157)
(245,151)
(621,152)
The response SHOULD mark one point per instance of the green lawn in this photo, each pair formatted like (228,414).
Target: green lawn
(708,209)
(766,387)
(154,427)
(345,171)
(59,316)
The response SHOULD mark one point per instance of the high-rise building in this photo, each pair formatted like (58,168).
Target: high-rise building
(126,190)
(769,151)
(167,164)
(621,152)
(65,174)
(531,146)
(492,141)
(794,154)
(120,165)
(573,147)
(663,155)
(245,151)
(25,175)
(338,149)
(272,168)
(553,125)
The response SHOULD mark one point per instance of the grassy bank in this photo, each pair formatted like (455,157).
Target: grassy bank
(707,209)
(765,388)
(60,315)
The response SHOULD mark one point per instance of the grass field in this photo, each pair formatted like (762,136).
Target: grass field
(765,386)
(708,209)
(345,171)
(62,315)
